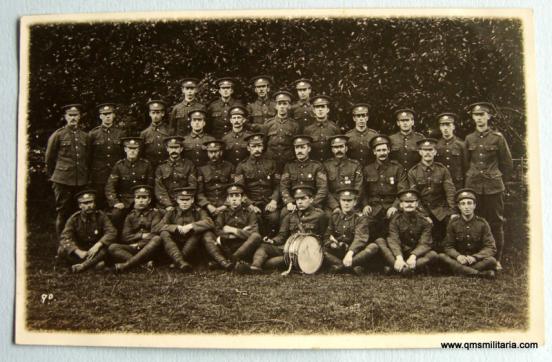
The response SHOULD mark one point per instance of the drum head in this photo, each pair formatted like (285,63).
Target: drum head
(309,255)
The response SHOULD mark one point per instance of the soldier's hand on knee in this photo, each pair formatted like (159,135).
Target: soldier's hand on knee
(411,261)
(119,206)
(219,209)
(146,236)
(254,209)
(391,211)
(93,250)
(77,268)
(399,264)
(271,206)
(212,209)
(80,253)
(268,240)
(462,259)
(348,259)
(291,206)
(470,259)
(367,210)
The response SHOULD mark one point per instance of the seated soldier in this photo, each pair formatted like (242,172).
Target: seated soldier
(238,232)
(409,236)
(346,239)
(304,219)
(139,243)
(183,228)
(86,235)
(469,246)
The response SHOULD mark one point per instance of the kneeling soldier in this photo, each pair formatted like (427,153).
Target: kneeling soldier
(139,243)
(469,246)
(409,236)
(86,235)
(305,219)
(183,228)
(238,232)
(347,236)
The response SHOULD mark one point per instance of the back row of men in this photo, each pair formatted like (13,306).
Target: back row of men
(277,158)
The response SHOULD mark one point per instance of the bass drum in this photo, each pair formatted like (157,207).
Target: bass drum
(303,252)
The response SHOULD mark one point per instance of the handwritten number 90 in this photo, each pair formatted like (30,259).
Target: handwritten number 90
(46,297)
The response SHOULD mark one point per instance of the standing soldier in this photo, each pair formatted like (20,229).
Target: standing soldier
(279,132)
(383,179)
(490,164)
(321,129)
(360,136)
(106,149)
(219,109)
(403,143)
(342,172)
(469,246)
(174,173)
(305,219)
(86,235)
(236,146)
(238,233)
(184,228)
(346,239)
(260,178)
(302,111)
(178,120)
(409,237)
(263,108)
(433,182)
(451,150)
(303,171)
(126,174)
(213,179)
(194,149)
(67,157)
(139,243)
(153,136)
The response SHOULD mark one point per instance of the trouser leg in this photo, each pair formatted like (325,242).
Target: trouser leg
(172,249)
(100,196)
(117,217)
(378,226)
(491,208)
(214,250)
(248,247)
(426,259)
(270,222)
(455,266)
(438,232)
(263,253)
(65,203)
(143,254)
(89,263)
(121,252)
(193,242)
(332,256)
(362,257)
(485,264)
(385,251)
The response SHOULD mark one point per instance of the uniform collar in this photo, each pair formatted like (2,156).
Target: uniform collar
(425,167)
(106,129)
(485,132)
(142,212)
(180,212)
(237,134)
(197,135)
(449,141)
(380,164)
(171,162)
(406,135)
(321,124)
(304,103)
(305,212)
(281,119)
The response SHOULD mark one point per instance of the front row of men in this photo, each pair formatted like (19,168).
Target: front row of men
(233,241)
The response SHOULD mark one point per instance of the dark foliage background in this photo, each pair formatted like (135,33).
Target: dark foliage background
(432,65)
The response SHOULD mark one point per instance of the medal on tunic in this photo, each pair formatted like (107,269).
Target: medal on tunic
(392,180)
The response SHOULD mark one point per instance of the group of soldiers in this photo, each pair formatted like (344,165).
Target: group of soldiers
(237,182)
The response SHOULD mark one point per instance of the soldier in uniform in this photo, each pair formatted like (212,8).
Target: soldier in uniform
(139,243)
(383,179)
(490,164)
(451,150)
(86,235)
(261,181)
(154,148)
(219,109)
(279,132)
(306,219)
(174,173)
(126,174)
(213,178)
(360,136)
(184,228)
(67,157)
(238,232)
(403,143)
(321,129)
(178,119)
(194,149)
(302,111)
(434,183)
(236,146)
(342,172)
(106,149)
(263,108)
(303,171)
(469,246)
(346,239)
(409,237)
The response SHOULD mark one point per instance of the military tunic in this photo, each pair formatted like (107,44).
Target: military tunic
(350,229)
(194,150)
(236,146)
(359,145)
(213,179)
(312,220)
(179,123)
(125,175)
(67,157)
(382,183)
(307,172)
(404,148)
(409,234)
(303,113)
(198,217)
(260,179)
(343,172)
(139,222)
(171,175)
(106,149)
(261,110)
(219,116)
(82,231)
(238,218)
(469,237)
(280,133)
(154,149)
(452,153)
(320,132)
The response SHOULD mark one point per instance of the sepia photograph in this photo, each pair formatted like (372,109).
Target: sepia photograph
(279,179)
